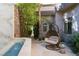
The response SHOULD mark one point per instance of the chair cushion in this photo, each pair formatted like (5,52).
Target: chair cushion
(52,39)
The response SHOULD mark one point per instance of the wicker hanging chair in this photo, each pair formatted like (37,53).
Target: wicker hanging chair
(52,36)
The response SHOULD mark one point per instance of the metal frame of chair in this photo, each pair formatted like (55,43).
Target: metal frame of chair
(54,32)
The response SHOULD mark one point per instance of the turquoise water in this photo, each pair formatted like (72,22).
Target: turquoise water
(15,49)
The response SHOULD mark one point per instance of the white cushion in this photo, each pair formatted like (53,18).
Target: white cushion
(52,39)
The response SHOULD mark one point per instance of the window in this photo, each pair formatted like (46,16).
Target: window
(68,25)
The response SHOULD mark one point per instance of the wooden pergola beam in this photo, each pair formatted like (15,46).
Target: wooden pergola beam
(39,20)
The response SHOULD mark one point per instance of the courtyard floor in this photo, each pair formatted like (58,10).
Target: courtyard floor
(39,49)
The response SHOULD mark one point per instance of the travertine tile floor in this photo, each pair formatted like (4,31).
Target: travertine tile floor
(38,49)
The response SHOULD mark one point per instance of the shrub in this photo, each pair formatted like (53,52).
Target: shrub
(28,17)
(76,41)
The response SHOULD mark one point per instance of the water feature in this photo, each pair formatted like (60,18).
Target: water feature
(14,50)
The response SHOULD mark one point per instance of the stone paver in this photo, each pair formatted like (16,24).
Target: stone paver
(38,49)
(26,49)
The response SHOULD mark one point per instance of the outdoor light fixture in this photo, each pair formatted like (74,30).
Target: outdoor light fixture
(65,17)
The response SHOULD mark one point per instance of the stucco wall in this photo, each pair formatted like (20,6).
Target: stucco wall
(6,23)
(45,19)
(76,19)
(59,21)
(48,19)
(74,13)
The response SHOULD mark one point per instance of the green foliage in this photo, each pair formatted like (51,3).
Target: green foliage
(28,16)
(76,41)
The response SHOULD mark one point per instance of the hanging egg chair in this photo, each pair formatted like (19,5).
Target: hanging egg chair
(52,37)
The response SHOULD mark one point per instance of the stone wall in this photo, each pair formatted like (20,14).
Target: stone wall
(16,22)
(75,21)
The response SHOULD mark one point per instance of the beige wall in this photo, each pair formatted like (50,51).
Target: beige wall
(6,23)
